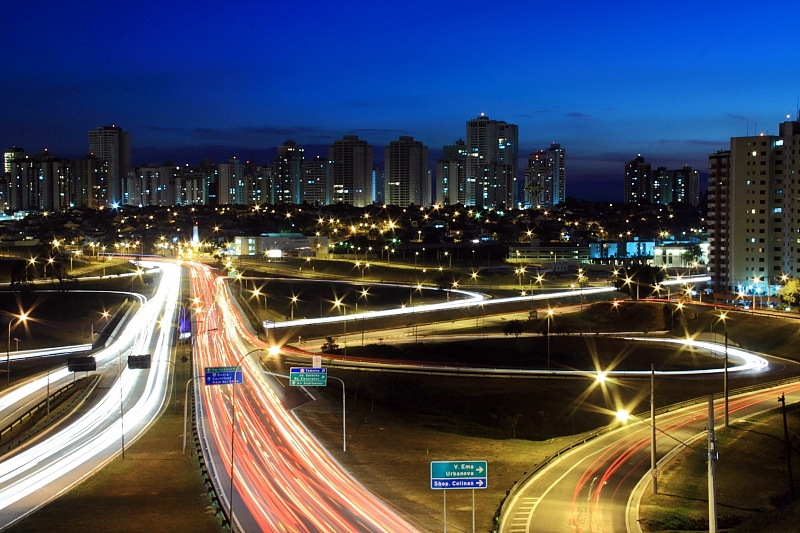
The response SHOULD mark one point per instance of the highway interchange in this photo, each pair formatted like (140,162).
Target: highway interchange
(284,480)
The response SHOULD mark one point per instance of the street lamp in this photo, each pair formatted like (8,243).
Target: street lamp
(233,426)
(21,318)
(293,304)
(722,317)
(549,316)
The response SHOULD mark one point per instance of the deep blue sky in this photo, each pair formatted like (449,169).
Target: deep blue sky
(670,80)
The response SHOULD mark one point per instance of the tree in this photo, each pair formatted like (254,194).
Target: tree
(693,253)
(640,281)
(513,327)
(513,419)
(330,345)
(790,293)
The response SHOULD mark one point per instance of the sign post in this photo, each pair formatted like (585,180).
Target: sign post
(304,376)
(223,375)
(459,475)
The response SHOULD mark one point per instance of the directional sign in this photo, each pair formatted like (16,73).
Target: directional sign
(308,377)
(223,375)
(458,475)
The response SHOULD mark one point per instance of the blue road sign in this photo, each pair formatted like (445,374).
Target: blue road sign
(223,375)
(308,377)
(459,475)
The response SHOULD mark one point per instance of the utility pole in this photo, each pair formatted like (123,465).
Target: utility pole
(712,460)
(653,469)
(782,399)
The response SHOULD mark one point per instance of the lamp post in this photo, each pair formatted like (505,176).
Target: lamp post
(293,304)
(722,317)
(549,315)
(21,318)
(233,427)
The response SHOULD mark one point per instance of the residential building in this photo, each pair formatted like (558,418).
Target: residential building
(89,182)
(113,144)
(491,164)
(545,178)
(406,174)
(451,175)
(753,222)
(637,180)
(231,187)
(287,174)
(351,171)
(316,178)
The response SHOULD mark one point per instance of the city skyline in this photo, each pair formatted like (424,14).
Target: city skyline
(605,85)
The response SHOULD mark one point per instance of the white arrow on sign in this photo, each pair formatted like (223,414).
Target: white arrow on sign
(479,469)
(479,483)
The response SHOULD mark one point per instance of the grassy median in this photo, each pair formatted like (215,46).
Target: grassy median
(155,488)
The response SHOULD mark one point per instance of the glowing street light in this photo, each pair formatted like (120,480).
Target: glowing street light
(22,318)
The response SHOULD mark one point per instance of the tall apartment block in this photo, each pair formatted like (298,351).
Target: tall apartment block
(451,175)
(660,186)
(287,174)
(316,178)
(637,180)
(406,178)
(113,144)
(754,221)
(492,154)
(545,178)
(351,171)
(231,187)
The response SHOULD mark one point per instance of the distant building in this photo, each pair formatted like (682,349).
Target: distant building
(90,182)
(231,183)
(718,222)
(637,180)
(316,178)
(406,178)
(113,144)
(545,178)
(351,171)
(279,245)
(491,165)
(451,175)
(287,174)
(662,186)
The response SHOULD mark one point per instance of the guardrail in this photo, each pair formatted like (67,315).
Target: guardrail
(660,411)
(42,405)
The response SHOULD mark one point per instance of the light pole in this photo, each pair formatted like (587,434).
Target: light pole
(723,316)
(233,427)
(21,318)
(549,315)
(293,304)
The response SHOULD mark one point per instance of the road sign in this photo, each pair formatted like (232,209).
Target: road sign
(308,377)
(139,362)
(316,361)
(81,364)
(459,475)
(223,375)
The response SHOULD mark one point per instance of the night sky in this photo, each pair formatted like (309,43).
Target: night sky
(670,80)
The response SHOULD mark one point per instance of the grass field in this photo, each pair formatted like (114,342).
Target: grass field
(752,481)
(155,488)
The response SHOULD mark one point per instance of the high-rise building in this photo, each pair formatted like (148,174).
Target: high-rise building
(718,197)
(351,171)
(756,213)
(316,178)
(451,175)
(113,144)
(637,180)
(660,186)
(406,175)
(231,187)
(89,182)
(492,154)
(287,174)
(545,178)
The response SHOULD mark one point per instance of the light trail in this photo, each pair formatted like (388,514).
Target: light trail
(33,476)
(283,477)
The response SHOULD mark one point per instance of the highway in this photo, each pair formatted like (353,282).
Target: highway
(33,475)
(591,488)
(284,480)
